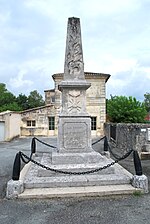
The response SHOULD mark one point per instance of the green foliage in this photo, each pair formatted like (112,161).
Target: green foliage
(137,193)
(147,101)
(22,101)
(11,106)
(10,102)
(6,97)
(126,110)
(35,99)
(7,100)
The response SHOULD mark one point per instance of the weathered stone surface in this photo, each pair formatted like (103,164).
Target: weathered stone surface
(14,188)
(111,176)
(74,128)
(73,100)
(75,162)
(78,191)
(74,134)
(140,182)
(74,67)
(77,158)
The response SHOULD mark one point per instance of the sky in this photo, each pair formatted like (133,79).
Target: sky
(115,41)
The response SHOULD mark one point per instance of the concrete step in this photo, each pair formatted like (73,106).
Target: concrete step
(79,191)
(76,181)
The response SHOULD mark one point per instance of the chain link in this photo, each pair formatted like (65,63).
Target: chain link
(44,143)
(54,147)
(75,173)
(98,140)
(115,156)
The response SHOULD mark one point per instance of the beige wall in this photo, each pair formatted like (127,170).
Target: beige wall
(96,102)
(12,124)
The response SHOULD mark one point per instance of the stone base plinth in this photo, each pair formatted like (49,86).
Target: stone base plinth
(39,177)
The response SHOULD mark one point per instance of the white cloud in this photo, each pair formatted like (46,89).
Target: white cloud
(4,17)
(110,64)
(54,9)
(19,80)
(115,36)
(107,7)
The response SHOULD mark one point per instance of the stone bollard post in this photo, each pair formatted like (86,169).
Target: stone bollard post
(14,188)
(106,148)
(33,146)
(140,182)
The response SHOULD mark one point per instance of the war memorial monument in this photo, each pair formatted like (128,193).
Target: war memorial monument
(77,166)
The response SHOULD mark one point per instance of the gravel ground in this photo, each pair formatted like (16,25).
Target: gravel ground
(130,209)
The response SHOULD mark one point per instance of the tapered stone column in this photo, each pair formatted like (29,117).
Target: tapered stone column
(74,128)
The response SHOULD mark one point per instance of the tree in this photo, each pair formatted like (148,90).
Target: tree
(6,97)
(7,100)
(147,101)
(22,101)
(35,99)
(126,109)
(11,106)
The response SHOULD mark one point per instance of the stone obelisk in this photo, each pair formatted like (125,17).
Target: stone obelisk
(74,128)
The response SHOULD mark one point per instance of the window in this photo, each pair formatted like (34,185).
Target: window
(31,123)
(51,123)
(53,99)
(93,123)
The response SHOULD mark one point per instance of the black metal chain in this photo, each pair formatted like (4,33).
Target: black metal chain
(77,173)
(98,140)
(114,155)
(28,159)
(52,146)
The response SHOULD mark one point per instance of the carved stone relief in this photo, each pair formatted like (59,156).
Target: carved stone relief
(74,56)
(74,102)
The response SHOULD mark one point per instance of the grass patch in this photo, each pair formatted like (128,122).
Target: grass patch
(137,193)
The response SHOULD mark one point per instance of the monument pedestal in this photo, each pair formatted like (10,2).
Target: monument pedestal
(74,134)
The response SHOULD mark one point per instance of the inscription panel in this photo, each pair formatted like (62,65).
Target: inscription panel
(75,135)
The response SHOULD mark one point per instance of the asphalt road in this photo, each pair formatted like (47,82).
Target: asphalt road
(130,209)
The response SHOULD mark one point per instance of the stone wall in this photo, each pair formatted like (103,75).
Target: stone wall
(40,116)
(127,136)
